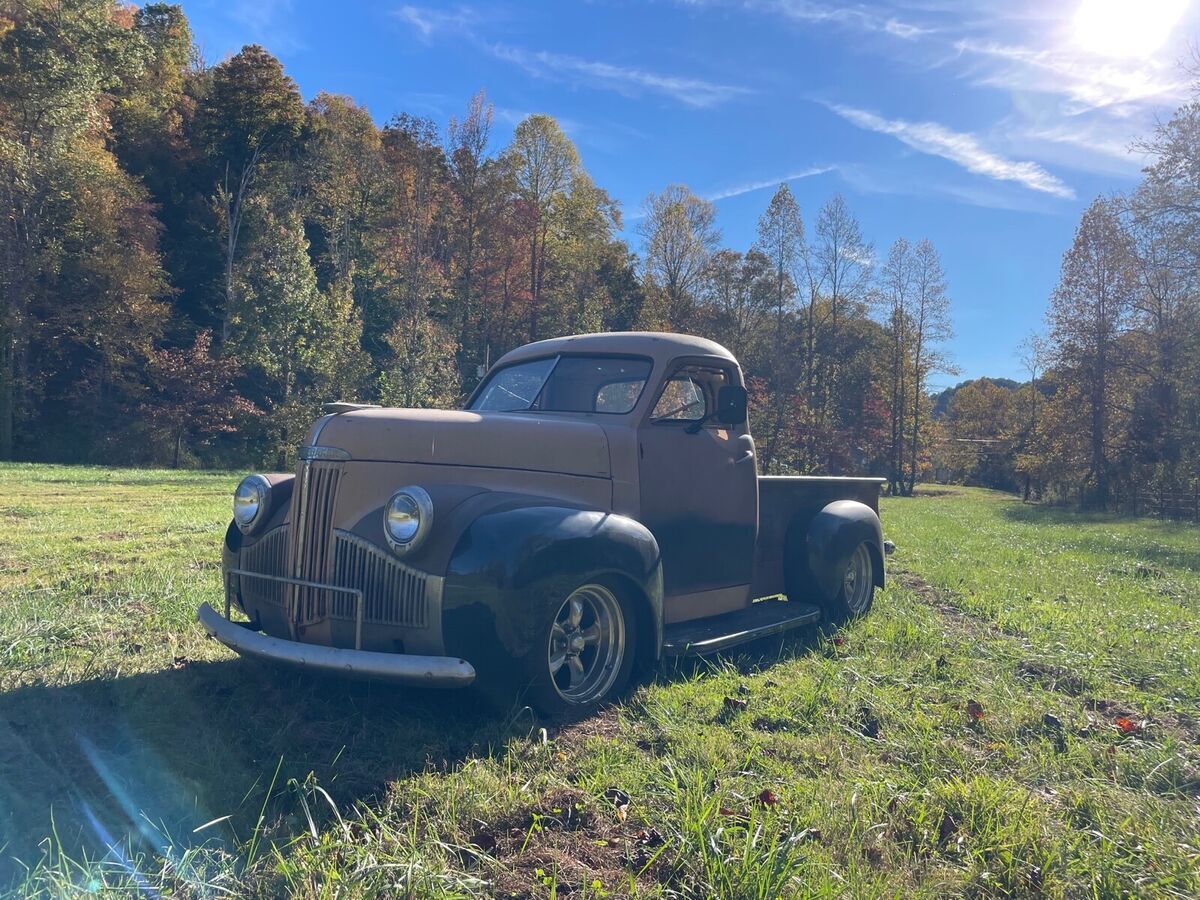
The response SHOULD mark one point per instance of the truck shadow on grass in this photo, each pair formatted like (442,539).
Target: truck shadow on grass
(141,761)
(144,759)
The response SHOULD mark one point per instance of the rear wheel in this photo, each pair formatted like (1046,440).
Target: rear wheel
(587,653)
(857,589)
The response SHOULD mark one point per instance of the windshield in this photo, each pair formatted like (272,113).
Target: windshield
(587,384)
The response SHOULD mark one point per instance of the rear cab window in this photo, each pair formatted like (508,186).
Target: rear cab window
(610,385)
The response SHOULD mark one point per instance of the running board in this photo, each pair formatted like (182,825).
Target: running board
(766,617)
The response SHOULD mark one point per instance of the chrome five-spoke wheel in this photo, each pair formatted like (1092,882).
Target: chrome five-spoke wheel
(858,581)
(587,645)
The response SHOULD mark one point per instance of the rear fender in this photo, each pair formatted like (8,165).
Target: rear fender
(831,537)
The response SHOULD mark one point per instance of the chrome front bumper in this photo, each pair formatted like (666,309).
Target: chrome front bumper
(399,668)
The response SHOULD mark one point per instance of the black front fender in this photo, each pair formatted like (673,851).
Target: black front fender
(511,564)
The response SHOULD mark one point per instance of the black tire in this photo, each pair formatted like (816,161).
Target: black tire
(574,675)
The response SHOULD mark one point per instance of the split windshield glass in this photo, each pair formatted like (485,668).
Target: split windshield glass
(587,384)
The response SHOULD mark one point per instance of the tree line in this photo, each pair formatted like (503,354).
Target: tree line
(194,259)
(1111,409)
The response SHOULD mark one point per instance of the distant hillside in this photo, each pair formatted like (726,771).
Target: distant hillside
(942,403)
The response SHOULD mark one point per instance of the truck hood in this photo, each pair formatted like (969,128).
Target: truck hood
(460,438)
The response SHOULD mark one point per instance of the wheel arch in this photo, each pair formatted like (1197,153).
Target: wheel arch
(819,549)
(511,562)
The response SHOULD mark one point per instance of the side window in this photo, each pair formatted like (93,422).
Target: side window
(618,396)
(682,400)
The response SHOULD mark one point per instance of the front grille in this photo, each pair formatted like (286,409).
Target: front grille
(309,553)
(269,557)
(393,594)
(310,550)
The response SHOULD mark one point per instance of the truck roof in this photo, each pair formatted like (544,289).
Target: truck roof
(659,346)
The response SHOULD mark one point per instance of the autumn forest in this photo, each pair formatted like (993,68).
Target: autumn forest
(193,260)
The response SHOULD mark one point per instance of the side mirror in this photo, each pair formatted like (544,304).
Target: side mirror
(731,405)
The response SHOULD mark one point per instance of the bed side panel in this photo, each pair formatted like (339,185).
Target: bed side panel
(780,500)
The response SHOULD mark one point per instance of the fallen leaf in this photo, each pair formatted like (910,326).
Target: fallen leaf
(731,813)
(484,841)
(869,723)
(768,797)
(620,800)
(649,838)
(947,828)
(975,710)
(735,703)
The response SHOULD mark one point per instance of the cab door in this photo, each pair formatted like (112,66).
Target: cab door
(699,493)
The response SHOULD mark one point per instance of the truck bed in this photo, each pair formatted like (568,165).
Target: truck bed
(783,498)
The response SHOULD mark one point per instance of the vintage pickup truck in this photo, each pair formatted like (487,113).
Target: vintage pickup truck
(595,506)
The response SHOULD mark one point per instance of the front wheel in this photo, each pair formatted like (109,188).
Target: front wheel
(587,653)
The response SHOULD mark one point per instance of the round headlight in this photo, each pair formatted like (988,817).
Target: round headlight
(250,501)
(407,518)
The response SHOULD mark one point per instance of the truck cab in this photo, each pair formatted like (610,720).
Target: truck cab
(594,506)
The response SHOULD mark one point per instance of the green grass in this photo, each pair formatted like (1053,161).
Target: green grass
(855,767)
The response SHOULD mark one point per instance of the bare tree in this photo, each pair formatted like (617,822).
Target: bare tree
(1034,353)
(466,150)
(680,234)
(781,240)
(842,261)
(894,295)
(544,163)
(930,328)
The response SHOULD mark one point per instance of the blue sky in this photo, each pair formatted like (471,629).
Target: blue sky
(986,127)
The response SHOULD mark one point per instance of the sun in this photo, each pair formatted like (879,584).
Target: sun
(1130,28)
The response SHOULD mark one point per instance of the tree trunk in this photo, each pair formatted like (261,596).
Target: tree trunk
(533,284)
(8,371)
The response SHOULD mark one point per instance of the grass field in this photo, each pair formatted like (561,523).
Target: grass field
(1019,716)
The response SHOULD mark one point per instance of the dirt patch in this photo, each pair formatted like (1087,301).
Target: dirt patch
(942,601)
(605,724)
(569,842)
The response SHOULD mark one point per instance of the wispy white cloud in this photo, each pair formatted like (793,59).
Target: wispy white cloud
(960,148)
(692,92)
(749,186)
(426,20)
(1085,80)
(896,182)
(866,18)
(1096,142)
(863,17)
(514,117)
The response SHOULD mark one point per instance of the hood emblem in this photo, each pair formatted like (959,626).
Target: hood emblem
(336,453)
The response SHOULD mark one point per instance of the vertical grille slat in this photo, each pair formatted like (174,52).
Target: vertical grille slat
(393,594)
(268,556)
(310,550)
